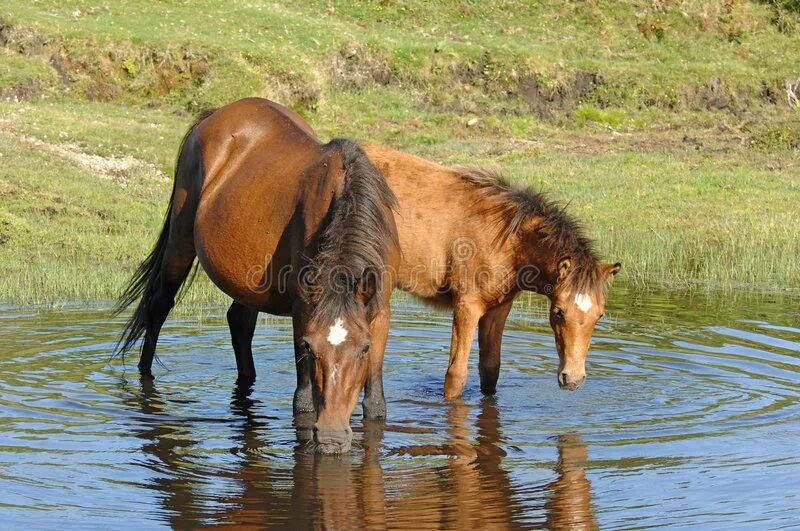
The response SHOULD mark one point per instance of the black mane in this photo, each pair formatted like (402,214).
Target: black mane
(356,242)
(510,207)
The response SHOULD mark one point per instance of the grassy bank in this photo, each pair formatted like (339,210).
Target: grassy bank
(666,125)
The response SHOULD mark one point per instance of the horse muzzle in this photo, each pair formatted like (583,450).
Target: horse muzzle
(332,441)
(570,382)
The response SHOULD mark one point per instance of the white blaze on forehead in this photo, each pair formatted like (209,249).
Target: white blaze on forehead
(583,301)
(337,333)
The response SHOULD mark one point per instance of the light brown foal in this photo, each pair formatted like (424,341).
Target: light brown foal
(472,242)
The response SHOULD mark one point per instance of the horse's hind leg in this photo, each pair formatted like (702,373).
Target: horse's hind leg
(173,267)
(174,270)
(159,277)
(490,336)
(242,323)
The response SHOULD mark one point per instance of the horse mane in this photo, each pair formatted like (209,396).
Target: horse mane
(509,208)
(356,241)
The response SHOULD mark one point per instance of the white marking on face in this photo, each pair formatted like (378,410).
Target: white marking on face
(334,372)
(583,301)
(337,333)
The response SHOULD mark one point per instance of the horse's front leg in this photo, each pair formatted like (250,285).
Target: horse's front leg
(374,403)
(465,320)
(490,336)
(303,399)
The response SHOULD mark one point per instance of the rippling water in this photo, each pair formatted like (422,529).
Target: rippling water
(690,417)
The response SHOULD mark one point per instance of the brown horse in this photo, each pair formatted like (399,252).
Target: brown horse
(288,226)
(473,243)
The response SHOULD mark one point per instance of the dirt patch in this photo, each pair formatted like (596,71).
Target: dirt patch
(544,98)
(62,68)
(125,69)
(29,90)
(294,91)
(21,40)
(718,95)
(50,212)
(5,232)
(107,70)
(356,66)
(121,170)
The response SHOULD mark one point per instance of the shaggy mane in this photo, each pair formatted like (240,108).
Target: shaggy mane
(356,241)
(509,207)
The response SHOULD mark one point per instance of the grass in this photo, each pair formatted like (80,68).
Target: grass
(664,124)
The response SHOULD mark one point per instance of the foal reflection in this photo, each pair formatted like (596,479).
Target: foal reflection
(569,501)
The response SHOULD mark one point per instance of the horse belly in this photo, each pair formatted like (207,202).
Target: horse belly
(424,265)
(244,247)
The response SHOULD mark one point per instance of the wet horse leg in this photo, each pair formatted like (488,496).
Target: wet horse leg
(303,398)
(242,323)
(374,403)
(465,320)
(490,336)
(174,270)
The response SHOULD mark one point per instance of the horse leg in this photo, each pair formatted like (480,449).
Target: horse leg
(174,269)
(490,335)
(242,323)
(303,398)
(374,403)
(465,320)
(160,276)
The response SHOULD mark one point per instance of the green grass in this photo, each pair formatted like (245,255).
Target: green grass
(665,128)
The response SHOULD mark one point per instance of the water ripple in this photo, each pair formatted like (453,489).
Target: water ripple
(683,422)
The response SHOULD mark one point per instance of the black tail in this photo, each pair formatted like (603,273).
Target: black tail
(147,278)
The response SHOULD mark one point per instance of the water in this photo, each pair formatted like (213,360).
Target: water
(690,418)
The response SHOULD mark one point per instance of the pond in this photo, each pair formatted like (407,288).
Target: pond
(690,417)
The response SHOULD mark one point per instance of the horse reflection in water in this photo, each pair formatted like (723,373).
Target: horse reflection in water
(471,488)
(165,440)
(569,502)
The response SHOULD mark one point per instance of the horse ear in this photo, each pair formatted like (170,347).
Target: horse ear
(611,270)
(564,266)
(367,285)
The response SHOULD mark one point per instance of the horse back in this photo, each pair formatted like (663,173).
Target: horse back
(448,245)
(257,159)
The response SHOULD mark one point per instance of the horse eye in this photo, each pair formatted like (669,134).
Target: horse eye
(558,313)
(364,351)
(307,347)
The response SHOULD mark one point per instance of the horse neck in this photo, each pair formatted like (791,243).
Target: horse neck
(534,253)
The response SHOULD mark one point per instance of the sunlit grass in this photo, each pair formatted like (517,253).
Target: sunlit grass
(681,192)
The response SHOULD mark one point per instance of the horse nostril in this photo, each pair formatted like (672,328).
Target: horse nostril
(562,378)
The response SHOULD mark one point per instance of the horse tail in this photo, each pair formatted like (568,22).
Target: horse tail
(145,282)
